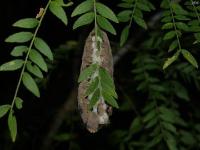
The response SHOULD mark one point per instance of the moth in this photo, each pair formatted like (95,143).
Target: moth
(99,116)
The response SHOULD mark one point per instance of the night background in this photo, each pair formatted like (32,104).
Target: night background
(52,122)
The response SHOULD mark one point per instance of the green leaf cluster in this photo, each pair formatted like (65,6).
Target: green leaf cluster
(30,55)
(101,85)
(34,61)
(193,13)
(161,115)
(175,19)
(92,11)
(133,11)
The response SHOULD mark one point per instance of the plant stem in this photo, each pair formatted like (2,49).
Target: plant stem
(96,43)
(174,24)
(159,120)
(132,14)
(195,10)
(95,22)
(27,55)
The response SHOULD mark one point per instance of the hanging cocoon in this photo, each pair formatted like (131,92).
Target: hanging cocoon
(99,115)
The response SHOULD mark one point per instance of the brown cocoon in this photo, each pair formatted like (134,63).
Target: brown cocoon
(91,118)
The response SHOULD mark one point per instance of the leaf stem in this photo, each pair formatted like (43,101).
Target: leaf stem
(96,43)
(27,55)
(159,119)
(195,10)
(132,14)
(95,22)
(174,24)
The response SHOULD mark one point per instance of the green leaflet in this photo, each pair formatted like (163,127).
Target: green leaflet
(37,58)
(84,20)
(193,22)
(181,91)
(173,46)
(166,13)
(138,13)
(106,12)
(58,11)
(124,16)
(194,29)
(153,142)
(169,35)
(26,23)
(149,116)
(150,5)
(164,4)
(182,26)
(106,77)
(30,84)
(140,22)
(169,127)
(187,137)
(170,60)
(61,3)
(12,65)
(167,114)
(87,72)
(181,17)
(94,99)
(171,142)
(197,36)
(34,69)
(83,8)
(124,35)
(100,86)
(168,25)
(93,85)
(12,124)
(188,56)
(19,50)
(3,110)
(151,123)
(43,47)
(110,100)
(143,6)
(136,125)
(105,24)
(63,137)
(158,88)
(18,102)
(178,9)
(125,5)
(149,107)
(19,37)
(166,19)
(108,89)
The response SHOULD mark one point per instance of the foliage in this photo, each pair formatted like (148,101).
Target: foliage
(33,61)
(160,96)
(133,12)
(174,18)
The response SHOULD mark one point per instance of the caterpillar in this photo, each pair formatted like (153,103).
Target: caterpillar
(99,116)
